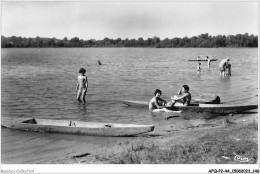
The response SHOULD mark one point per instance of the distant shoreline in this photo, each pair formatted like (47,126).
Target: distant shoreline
(201,41)
(138,47)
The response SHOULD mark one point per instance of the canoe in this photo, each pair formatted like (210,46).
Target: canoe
(202,60)
(200,108)
(215,108)
(75,127)
(136,103)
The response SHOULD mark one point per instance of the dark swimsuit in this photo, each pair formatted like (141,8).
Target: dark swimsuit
(185,101)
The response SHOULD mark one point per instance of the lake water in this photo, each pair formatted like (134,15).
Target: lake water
(41,83)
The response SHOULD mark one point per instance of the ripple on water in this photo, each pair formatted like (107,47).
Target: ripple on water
(42,82)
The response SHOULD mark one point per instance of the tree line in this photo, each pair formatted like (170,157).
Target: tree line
(201,41)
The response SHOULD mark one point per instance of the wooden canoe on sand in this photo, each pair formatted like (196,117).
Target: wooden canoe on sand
(75,127)
(199,108)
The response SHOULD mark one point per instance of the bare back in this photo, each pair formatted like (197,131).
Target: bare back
(152,104)
(223,64)
(82,80)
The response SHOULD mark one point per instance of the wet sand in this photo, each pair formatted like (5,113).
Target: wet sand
(20,147)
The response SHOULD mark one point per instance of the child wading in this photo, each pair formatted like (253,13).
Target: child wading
(208,59)
(198,69)
(82,85)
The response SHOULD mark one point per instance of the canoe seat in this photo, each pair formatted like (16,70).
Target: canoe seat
(108,125)
(72,124)
(30,121)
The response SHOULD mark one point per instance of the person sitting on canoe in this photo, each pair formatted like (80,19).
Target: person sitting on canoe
(157,102)
(183,97)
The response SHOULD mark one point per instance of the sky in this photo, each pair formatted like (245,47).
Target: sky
(128,19)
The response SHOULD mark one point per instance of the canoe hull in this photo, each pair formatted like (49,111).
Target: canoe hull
(136,103)
(220,109)
(202,60)
(200,108)
(75,127)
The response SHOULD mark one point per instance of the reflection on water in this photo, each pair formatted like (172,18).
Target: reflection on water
(82,109)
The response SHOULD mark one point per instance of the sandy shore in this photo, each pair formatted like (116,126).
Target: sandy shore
(35,148)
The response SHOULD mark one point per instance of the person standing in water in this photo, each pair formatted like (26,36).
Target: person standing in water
(208,59)
(198,69)
(99,63)
(228,70)
(82,85)
(223,65)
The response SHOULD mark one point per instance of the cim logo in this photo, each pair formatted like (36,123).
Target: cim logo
(241,159)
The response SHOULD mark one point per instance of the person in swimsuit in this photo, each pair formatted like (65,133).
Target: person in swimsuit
(208,59)
(183,98)
(223,66)
(157,102)
(198,69)
(82,85)
(228,70)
